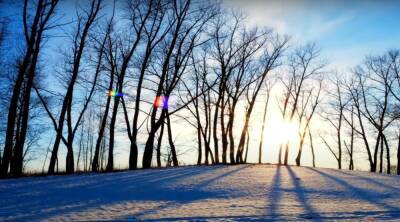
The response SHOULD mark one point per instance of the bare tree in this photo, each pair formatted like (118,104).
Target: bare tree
(394,59)
(199,92)
(34,29)
(354,93)
(109,51)
(140,13)
(79,40)
(375,82)
(242,77)
(154,31)
(336,118)
(183,38)
(269,60)
(303,66)
(224,56)
(313,104)
(350,147)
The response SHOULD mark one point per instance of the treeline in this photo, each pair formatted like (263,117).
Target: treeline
(364,112)
(144,63)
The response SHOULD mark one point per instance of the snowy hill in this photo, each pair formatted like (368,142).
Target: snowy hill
(243,192)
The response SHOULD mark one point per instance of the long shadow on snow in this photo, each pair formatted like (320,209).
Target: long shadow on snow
(302,192)
(79,193)
(78,196)
(372,180)
(370,196)
(15,198)
(353,215)
(275,194)
(310,212)
(196,188)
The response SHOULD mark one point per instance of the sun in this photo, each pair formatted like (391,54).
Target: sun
(282,131)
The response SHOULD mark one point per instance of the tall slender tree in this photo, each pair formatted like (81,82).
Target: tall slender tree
(34,30)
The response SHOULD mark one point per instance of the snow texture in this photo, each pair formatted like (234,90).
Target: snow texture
(224,193)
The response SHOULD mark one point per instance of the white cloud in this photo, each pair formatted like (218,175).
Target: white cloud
(302,20)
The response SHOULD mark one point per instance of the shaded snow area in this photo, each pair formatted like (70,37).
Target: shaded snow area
(242,192)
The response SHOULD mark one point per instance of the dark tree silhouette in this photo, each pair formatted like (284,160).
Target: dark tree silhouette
(34,29)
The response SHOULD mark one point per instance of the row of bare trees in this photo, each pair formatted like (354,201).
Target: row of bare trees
(364,112)
(131,69)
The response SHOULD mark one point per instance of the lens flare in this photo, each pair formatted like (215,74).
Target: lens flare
(165,102)
(161,101)
(114,93)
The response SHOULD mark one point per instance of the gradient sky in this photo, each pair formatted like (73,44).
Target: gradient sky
(346,31)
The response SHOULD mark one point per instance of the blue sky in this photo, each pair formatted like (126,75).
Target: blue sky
(346,31)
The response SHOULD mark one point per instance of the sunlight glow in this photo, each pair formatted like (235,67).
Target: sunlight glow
(283,132)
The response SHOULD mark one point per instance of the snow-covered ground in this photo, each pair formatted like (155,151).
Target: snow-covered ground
(242,192)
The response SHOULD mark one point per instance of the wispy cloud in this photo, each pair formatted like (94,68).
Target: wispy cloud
(321,27)
(304,22)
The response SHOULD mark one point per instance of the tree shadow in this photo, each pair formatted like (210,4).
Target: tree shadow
(42,200)
(367,195)
(372,180)
(301,193)
(275,194)
(277,190)
(305,196)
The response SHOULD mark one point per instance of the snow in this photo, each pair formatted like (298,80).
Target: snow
(233,193)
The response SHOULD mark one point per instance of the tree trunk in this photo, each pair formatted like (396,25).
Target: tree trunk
(199,155)
(280,155)
(159,143)
(375,162)
(387,155)
(215,136)
(224,135)
(148,149)
(398,156)
(370,160)
(298,158)
(171,141)
(381,156)
(312,147)
(95,162)
(285,162)
(69,159)
(199,127)
(247,147)
(133,156)
(110,162)
(230,133)
(262,132)
(239,154)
